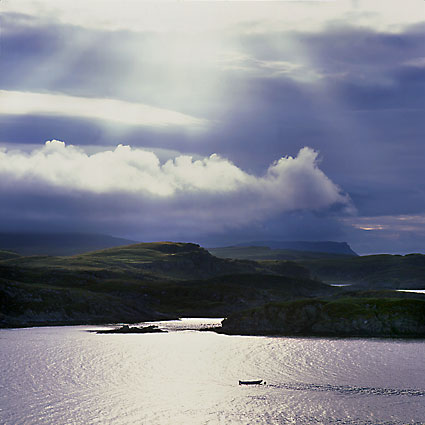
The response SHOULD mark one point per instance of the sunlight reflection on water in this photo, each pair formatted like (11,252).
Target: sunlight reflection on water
(65,375)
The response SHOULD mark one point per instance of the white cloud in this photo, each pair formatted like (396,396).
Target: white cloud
(211,190)
(200,16)
(23,103)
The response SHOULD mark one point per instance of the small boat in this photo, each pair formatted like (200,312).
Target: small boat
(258,382)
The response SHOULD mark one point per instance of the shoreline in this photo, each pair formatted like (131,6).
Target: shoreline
(219,330)
(320,336)
(107,324)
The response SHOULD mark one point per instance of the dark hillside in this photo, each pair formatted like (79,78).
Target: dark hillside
(140,282)
(258,253)
(379,317)
(148,281)
(7,255)
(158,260)
(375,271)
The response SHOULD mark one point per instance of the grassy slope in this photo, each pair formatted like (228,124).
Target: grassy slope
(7,255)
(138,280)
(146,281)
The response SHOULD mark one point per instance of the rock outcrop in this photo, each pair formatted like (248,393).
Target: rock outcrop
(125,329)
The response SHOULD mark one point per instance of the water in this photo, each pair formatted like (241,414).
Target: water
(413,291)
(66,375)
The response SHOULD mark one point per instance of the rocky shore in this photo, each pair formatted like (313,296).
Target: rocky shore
(125,329)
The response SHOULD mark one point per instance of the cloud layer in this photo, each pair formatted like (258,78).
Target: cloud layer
(182,192)
(27,103)
(264,78)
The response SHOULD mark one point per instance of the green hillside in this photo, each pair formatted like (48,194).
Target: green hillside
(151,281)
(140,282)
(7,255)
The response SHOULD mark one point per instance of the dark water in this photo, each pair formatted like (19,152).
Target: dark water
(66,375)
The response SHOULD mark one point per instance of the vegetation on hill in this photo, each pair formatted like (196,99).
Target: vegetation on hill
(7,255)
(381,317)
(140,282)
(152,281)
(35,304)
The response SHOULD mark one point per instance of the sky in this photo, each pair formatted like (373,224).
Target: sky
(215,122)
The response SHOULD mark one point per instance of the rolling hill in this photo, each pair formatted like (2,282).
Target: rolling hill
(152,281)
(141,282)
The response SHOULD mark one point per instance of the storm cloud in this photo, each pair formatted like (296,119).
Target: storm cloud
(251,82)
(210,191)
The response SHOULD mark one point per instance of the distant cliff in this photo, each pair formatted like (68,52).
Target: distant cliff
(292,251)
(344,317)
(341,248)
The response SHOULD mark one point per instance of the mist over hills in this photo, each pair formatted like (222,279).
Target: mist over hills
(58,243)
(78,243)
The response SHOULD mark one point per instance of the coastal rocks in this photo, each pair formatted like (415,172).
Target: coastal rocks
(347,317)
(125,329)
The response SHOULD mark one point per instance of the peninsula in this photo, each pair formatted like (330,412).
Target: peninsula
(353,317)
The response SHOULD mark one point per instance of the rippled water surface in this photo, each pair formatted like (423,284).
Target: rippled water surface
(66,375)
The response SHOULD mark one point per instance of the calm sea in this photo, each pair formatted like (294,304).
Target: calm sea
(67,375)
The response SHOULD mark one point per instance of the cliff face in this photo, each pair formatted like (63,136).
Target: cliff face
(347,317)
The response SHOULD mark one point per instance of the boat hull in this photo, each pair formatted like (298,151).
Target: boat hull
(258,382)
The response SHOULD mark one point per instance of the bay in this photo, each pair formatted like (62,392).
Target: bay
(67,375)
